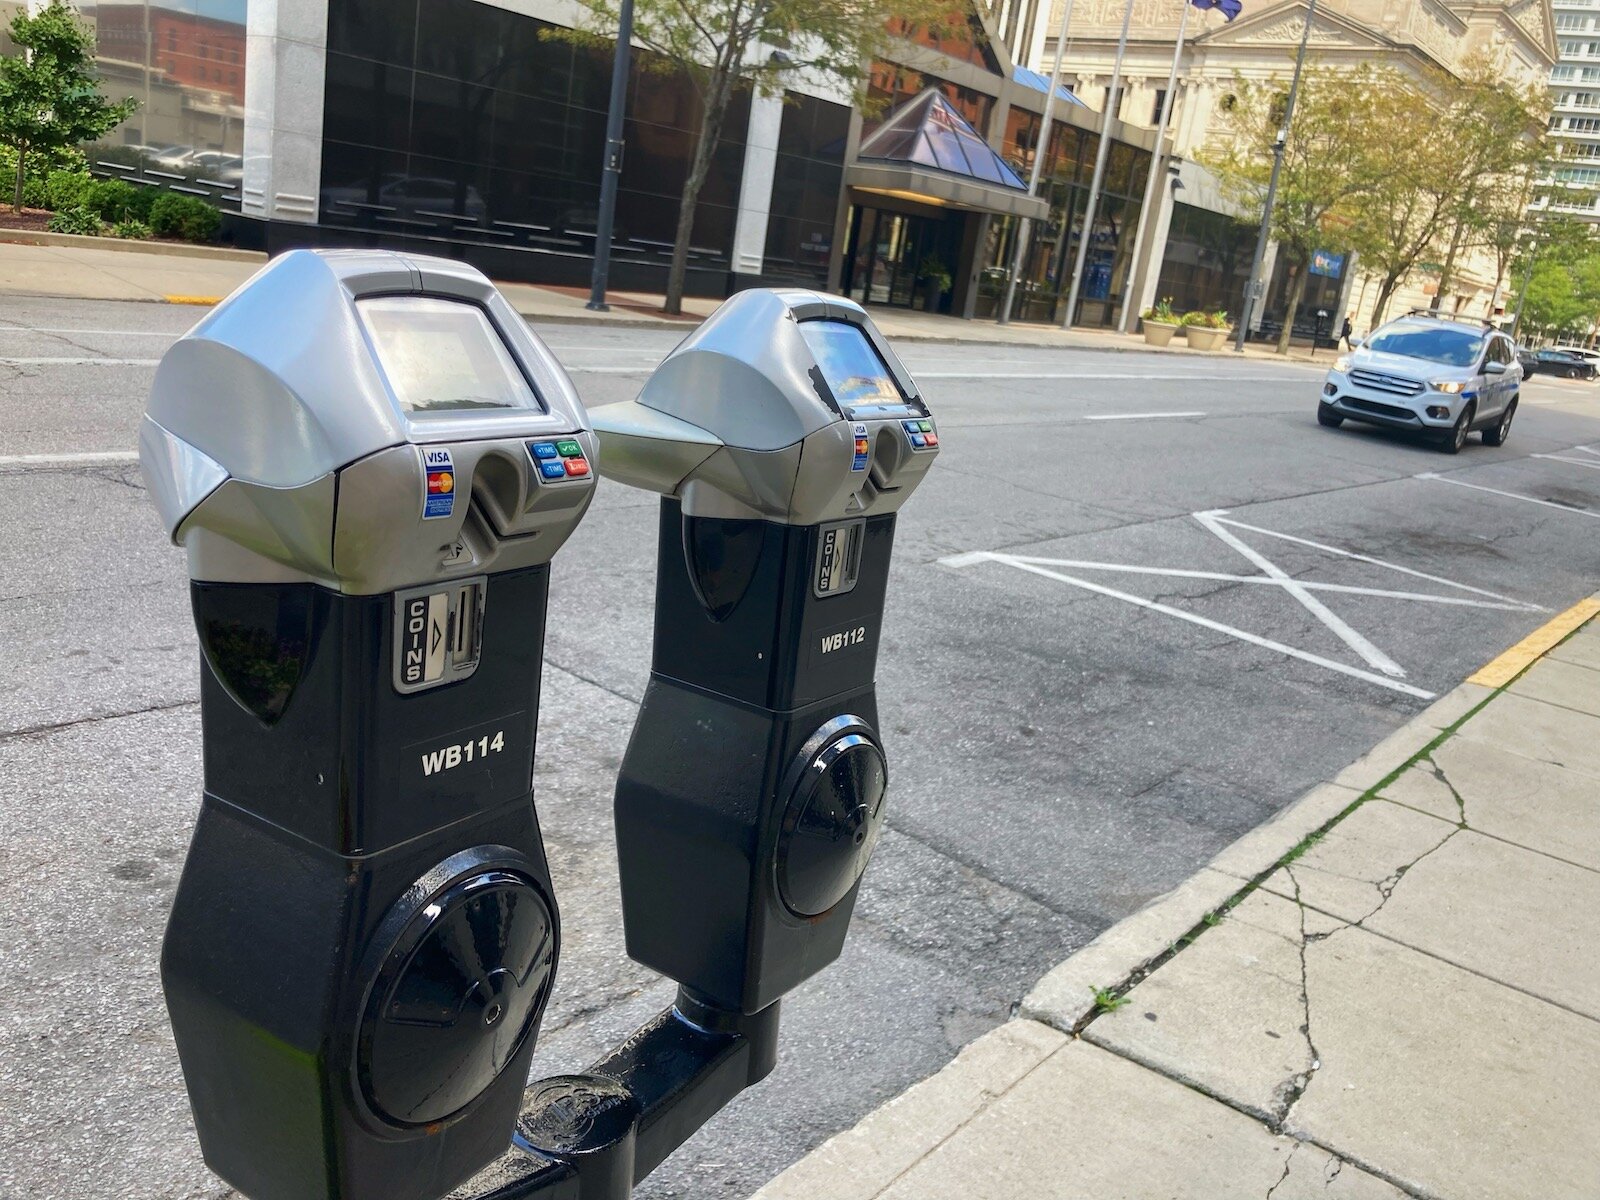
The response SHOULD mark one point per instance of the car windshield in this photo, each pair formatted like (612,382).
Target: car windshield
(1431,343)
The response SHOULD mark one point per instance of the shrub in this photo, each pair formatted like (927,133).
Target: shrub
(1205,320)
(131,228)
(78,220)
(144,198)
(67,189)
(1160,311)
(188,217)
(34,193)
(113,199)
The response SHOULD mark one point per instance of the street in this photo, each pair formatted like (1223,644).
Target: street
(1141,604)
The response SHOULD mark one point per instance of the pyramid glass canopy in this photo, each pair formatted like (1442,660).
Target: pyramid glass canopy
(927,132)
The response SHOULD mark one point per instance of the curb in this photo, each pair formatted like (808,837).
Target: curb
(34,237)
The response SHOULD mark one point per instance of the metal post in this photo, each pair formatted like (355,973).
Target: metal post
(612,171)
(1112,98)
(1041,148)
(1147,214)
(1255,290)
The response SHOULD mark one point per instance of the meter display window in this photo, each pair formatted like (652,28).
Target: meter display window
(858,378)
(443,356)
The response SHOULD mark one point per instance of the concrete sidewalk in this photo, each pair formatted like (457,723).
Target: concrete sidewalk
(1391,990)
(106,269)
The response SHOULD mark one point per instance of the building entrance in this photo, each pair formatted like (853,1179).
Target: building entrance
(900,260)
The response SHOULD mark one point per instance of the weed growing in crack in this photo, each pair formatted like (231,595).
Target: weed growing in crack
(1106,1000)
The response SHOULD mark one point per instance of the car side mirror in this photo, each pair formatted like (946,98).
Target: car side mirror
(1357,343)
(1494,368)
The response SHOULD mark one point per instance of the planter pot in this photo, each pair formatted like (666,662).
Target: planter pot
(1205,339)
(1158,333)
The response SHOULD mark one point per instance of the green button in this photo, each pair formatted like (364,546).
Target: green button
(926,426)
(568,448)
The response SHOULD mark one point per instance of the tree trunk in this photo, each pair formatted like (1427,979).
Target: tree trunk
(22,158)
(1386,291)
(1449,267)
(1297,293)
(717,95)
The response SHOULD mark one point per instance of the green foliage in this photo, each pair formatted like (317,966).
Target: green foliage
(131,228)
(114,199)
(188,217)
(1205,320)
(80,220)
(1106,1000)
(724,46)
(66,189)
(932,269)
(49,102)
(1161,311)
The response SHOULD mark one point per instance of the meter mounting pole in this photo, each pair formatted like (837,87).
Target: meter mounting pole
(1041,150)
(612,170)
(1255,290)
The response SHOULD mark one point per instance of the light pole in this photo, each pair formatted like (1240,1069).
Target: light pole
(612,170)
(1254,291)
(1041,149)
(1112,99)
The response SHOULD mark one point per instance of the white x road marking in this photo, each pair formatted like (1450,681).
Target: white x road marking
(1388,673)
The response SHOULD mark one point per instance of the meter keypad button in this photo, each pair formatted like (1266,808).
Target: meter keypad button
(569,448)
(932,439)
(918,440)
(577,467)
(552,469)
(541,450)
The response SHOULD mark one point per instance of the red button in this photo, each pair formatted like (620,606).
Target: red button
(576,466)
(933,438)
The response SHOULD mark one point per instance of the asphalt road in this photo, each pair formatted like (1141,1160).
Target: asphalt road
(1068,737)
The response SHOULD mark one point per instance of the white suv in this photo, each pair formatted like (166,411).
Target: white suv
(1441,375)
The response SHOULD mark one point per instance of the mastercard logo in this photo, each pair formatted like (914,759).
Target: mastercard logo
(440,482)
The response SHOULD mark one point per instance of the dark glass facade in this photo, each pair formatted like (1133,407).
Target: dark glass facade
(460,121)
(805,191)
(1207,260)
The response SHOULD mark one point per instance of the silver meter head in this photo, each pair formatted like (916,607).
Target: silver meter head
(368,421)
(786,406)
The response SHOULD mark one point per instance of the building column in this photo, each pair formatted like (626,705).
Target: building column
(286,54)
(755,188)
(1155,241)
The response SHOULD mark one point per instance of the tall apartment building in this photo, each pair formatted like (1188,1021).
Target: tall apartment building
(1575,108)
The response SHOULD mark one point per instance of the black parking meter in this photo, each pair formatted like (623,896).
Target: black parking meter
(784,435)
(370,462)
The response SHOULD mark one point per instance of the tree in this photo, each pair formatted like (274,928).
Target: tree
(48,99)
(1328,164)
(722,45)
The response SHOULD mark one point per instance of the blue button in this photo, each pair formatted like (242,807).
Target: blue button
(910,426)
(543,449)
(918,440)
(553,470)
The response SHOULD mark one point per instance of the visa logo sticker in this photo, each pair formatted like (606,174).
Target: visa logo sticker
(439,488)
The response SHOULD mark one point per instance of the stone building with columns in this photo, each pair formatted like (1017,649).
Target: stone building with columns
(1207,244)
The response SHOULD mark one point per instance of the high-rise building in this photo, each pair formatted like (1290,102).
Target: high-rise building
(1575,109)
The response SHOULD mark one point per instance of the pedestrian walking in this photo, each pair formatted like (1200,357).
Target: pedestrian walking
(1346,331)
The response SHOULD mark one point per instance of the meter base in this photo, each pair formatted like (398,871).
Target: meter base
(595,1136)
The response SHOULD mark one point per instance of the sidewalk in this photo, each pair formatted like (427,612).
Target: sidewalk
(82,269)
(1392,989)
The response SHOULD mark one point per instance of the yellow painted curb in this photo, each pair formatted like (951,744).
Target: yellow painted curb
(1536,645)
(204,300)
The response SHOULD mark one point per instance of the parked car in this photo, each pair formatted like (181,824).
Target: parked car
(1442,376)
(1565,364)
(1529,358)
(214,164)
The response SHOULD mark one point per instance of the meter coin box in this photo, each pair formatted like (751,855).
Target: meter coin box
(784,436)
(370,462)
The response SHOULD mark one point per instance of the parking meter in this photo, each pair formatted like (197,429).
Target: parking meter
(784,435)
(370,462)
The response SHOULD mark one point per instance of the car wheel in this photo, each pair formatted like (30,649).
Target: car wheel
(1326,416)
(1457,437)
(1496,435)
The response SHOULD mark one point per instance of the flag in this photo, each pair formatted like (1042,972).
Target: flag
(1228,8)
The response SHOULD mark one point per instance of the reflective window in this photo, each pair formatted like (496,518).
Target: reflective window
(1431,343)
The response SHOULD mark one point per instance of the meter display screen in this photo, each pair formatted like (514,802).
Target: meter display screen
(854,373)
(443,356)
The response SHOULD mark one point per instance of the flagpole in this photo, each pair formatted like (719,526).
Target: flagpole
(1147,213)
(1112,98)
(1041,148)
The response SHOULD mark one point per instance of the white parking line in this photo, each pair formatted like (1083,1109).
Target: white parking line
(78,362)
(1138,416)
(69,460)
(1592,464)
(1478,487)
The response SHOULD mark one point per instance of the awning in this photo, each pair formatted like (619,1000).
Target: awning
(1039,83)
(927,152)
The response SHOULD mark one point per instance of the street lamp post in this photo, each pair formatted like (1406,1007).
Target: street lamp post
(1255,291)
(1041,150)
(612,170)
